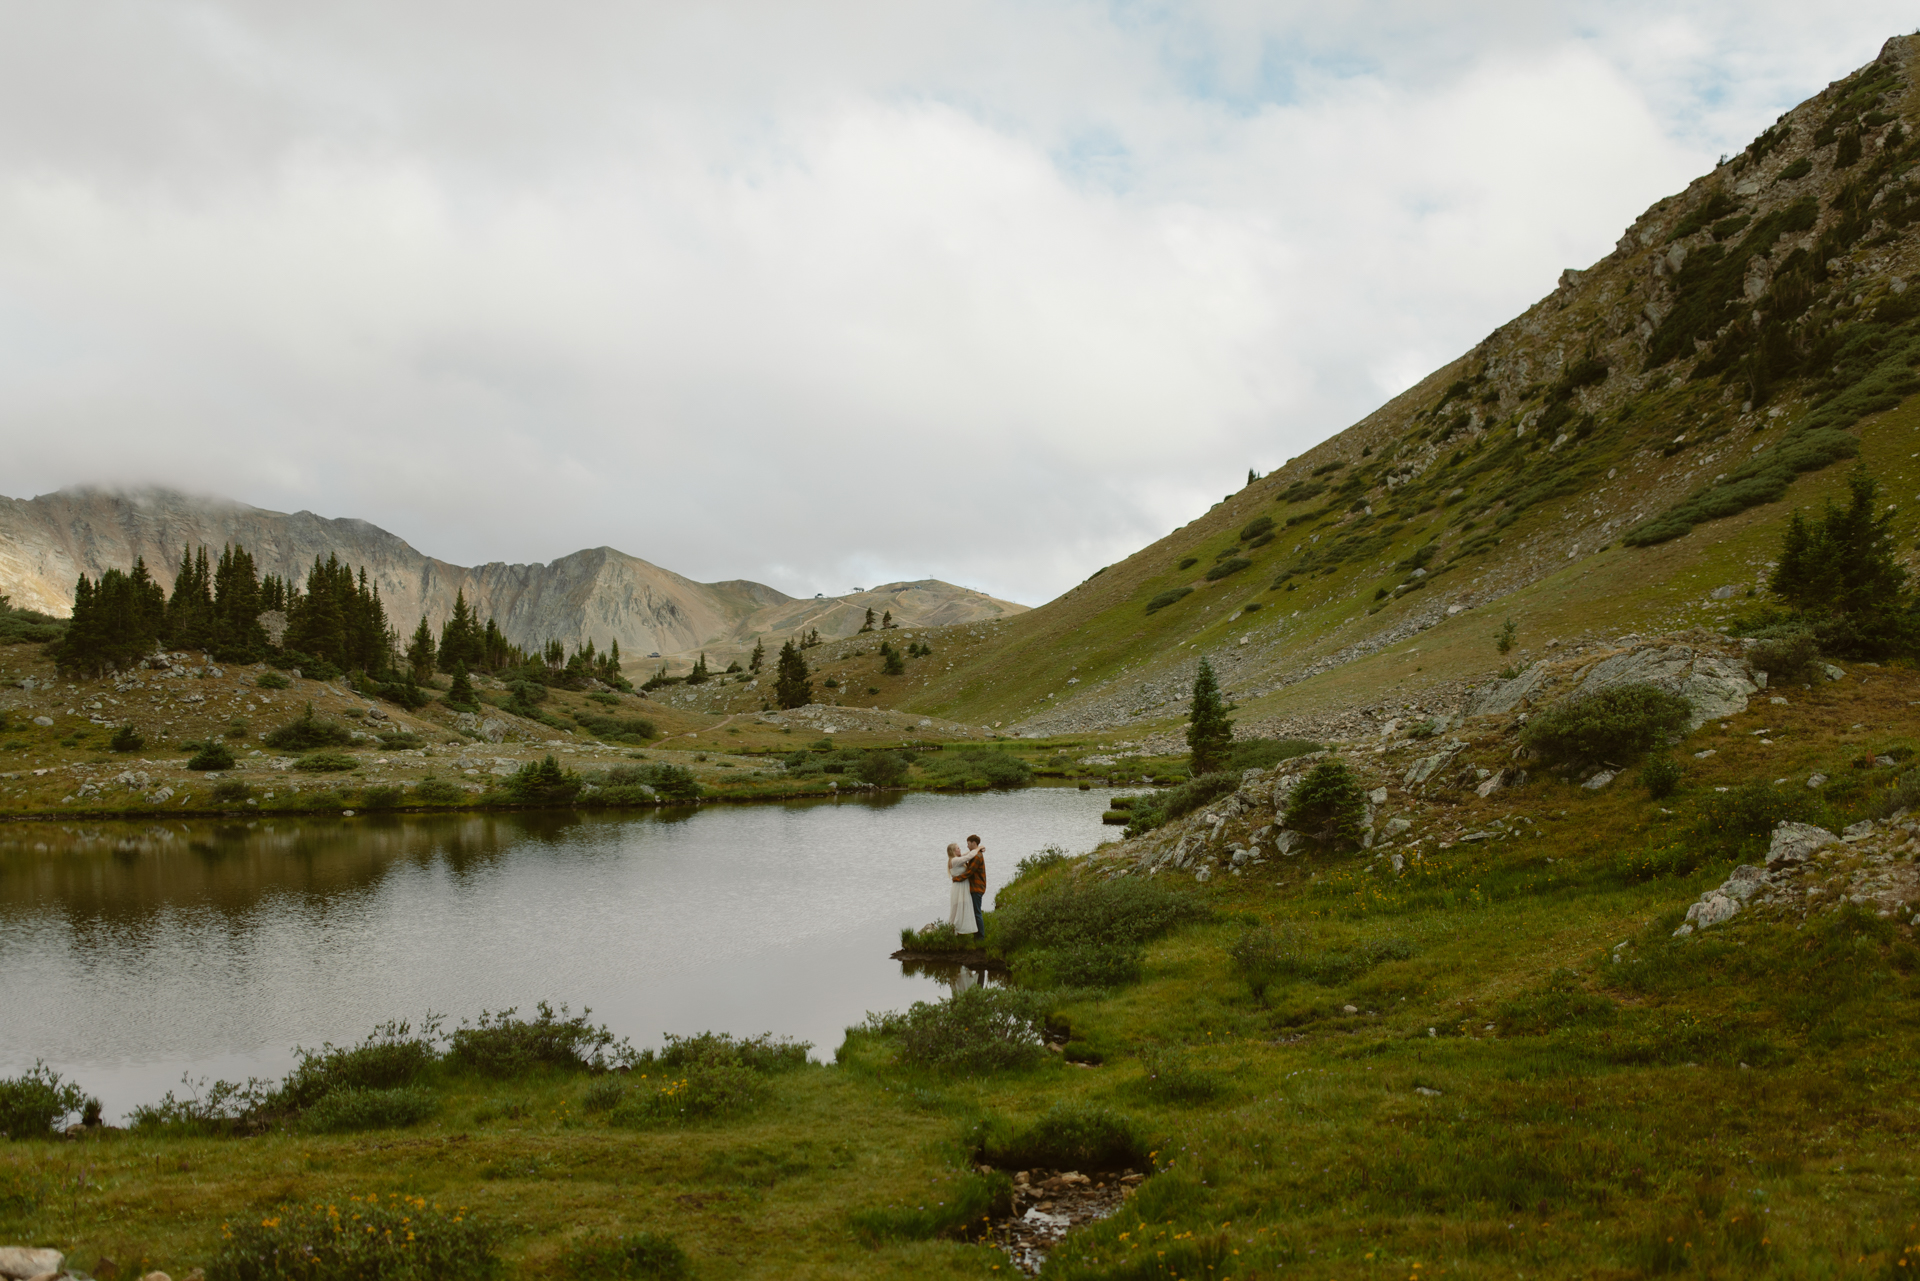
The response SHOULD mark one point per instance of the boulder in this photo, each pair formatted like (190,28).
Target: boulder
(1794,842)
(18,1262)
(1598,781)
(1715,687)
(1504,696)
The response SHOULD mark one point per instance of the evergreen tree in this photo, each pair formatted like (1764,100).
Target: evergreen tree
(891,664)
(1209,732)
(791,686)
(236,632)
(759,656)
(114,622)
(461,639)
(461,696)
(190,609)
(886,620)
(420,654)
(1839,574)
(811,639)
(699,675)
(868,625)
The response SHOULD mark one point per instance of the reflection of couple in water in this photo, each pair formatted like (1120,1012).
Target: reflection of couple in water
(967,869)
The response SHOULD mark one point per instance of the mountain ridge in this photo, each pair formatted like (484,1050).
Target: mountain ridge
(600,594)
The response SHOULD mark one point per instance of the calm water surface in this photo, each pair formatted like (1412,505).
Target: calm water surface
(132,954)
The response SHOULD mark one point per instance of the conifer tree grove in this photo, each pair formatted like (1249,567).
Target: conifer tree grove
(791,686)
(1209,732)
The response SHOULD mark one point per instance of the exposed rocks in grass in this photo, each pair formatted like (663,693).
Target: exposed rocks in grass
(1048,1203)
(19,1262)
(1809,869)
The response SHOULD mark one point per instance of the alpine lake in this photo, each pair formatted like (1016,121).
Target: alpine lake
(133,955)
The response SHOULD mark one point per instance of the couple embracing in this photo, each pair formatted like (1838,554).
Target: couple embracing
(967,869)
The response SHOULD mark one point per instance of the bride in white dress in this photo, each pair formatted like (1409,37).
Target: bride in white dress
(960,913)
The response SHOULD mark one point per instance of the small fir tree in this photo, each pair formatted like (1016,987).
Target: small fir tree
(421,653)
(461,696)
(1840,574)
(891,664)
(1209,732)
(886,620)
(759,656)
(791,686)
(699,675)
(868,625)
(1503,639)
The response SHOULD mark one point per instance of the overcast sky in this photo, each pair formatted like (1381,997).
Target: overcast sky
(821,294)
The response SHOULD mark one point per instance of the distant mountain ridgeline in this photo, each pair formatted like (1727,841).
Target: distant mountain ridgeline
(598,597)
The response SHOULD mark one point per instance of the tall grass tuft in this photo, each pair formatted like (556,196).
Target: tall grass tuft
(1070,1136)
(649,1256)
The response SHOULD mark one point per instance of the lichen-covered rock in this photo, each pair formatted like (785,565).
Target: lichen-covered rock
(1793,842)
(1714,686)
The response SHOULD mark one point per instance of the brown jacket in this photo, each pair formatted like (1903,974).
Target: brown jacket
(977,871)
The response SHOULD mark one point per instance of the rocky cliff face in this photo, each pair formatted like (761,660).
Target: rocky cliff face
(599,594)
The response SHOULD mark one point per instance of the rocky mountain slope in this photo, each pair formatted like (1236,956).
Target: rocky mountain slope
(597,594)
(1620,458)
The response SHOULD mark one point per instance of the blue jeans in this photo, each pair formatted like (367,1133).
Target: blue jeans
(979,921)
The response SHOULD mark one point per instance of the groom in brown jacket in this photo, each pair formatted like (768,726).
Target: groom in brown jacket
(976,872)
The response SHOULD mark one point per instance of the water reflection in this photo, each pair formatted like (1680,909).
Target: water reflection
(956,978)
(133,952)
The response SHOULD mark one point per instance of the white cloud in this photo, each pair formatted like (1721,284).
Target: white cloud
(820,295)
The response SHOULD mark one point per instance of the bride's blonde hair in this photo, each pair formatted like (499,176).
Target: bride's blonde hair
(953,849)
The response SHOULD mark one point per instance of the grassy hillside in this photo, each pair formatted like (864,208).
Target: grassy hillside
(1634,441)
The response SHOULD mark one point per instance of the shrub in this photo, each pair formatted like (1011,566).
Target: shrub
(237,729)
(404,1239)
(231,791)
(1259,958)
(1226,567)
(326,763)
(675,782)
(1188,562)
(272,680)
(309,732)
(223,1107)
(1787,659)
(980,1030)
(1255,527)
(500,1045)
(543,782)
(993,767)
(1172,1077)
(694,1092)
(1169,597)
(763,1053)
(1660,775)
(438,791)
(621,729)
(652,1256)
(1328,804)
(1126,912)
(1616,724)
(1730,824)
(1047,857)
(127,739)
(1071,1136)
(349,1110)
(34,1103)
(882,769)
(211,756)
(1081,965)
(1150,812)
(392,1056)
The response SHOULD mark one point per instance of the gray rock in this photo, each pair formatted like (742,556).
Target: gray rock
(1724,593)
(1854,831)
(1598,781)
(18,1262)
(493,729)
(1504,696)
(1715,687)
(1816,780)
(1794,842)
(1713,908)
(43,720)
(1746,881)
(1395,826)
(1493,783)
(1831,672)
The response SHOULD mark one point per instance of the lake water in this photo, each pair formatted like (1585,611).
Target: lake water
(131,954)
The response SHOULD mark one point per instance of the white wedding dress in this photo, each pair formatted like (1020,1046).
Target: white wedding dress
(960,914)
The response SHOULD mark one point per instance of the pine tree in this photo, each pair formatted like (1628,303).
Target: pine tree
(886,621)
(759,656)
(1840,574)
(461,696)
(791,686)
(1209,732)
(868,625)
(461,640)
(420,654)
(698,676)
